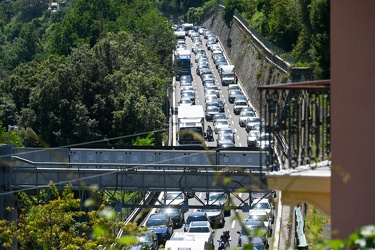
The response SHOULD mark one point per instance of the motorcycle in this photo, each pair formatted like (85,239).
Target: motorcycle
(209,135)
(223,244)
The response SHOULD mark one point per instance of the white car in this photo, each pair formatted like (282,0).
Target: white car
(263,205)
(222,123)
(174,198)
(262,215)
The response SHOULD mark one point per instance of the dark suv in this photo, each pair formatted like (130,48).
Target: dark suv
(162,225)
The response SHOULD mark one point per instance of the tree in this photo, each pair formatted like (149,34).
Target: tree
(53,220)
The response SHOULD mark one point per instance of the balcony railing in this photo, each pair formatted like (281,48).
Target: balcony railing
(298,117)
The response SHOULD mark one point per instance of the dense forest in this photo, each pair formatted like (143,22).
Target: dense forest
(94,69)
(101,69)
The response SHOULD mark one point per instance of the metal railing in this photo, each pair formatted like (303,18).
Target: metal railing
(298,117)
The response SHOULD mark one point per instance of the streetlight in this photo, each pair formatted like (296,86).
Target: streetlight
(10,127)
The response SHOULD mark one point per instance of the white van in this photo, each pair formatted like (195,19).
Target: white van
(227,74)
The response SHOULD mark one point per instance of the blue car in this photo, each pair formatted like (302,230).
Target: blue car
(161,225)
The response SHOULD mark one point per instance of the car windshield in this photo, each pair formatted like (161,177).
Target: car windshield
(156,223)
(225,137)
(257,217)
(260,206)
(222,122)
(241,103)
(219,196)
(190,219)
(169,210)
(254,119)
(172,196)
(144,239)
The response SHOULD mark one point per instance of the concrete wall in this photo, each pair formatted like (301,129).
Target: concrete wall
(353,102)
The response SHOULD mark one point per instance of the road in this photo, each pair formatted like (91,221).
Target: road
(232,222)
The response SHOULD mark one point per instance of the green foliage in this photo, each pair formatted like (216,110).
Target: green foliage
(95,69)
(300,27)
(53,220)
(197,14)
(149,140)
(230,7)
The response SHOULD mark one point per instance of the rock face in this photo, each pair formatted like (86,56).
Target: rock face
(252,67)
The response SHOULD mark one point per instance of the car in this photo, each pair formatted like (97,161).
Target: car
(262,215)
(238,105)
(233,86)
(219,199)
(221,105)
(224,138)
(204,71)
(186,78)
(175,214)
(245,240)
(264,141)
(227,144)
(240,98)
(185,102)
(216,47)
(211,98)
(219,59)
(187,88)
(220,124)
(219,116)
(244,115)
(202,66)
(251,121)
(200,227)
(161,225)
(210,112)
(248,109)
(251,138)
(215,216)
(174,198)
(210,85)
(265,205)
(207,75)
(227,131)
(221,63)
(195,216)
(255,228)
(232,95)
(146,240)
(188,94)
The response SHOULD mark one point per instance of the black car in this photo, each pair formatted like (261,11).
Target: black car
(162,225)
(176,215)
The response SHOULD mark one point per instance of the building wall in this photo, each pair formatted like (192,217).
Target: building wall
(353,115)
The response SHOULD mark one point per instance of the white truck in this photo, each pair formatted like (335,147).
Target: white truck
(227,74)
(191,124)
(189,241)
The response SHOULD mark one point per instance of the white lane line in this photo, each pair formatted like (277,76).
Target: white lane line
(233,223)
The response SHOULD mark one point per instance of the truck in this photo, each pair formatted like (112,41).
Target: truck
(182,59)
(191,241)
(190,124)
(187,27)
(227,74)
